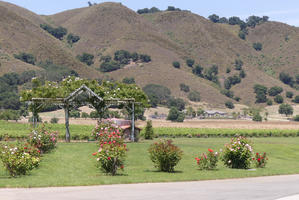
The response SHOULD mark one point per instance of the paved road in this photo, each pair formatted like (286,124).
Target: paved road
(265,188)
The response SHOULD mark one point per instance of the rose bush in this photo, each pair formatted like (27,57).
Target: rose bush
(43,139)
(112,152)
(165,155)
(238,153)
(19,159)
(208,161)
(260,160)
(102,131)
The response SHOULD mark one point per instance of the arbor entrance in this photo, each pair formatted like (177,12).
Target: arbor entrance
(79,97)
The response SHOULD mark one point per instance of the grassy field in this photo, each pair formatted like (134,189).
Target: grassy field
(83,132)
(72,164)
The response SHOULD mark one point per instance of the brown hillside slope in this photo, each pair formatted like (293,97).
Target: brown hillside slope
(22,12)
(209,43)
(18,34)
(167,37)
(280,47)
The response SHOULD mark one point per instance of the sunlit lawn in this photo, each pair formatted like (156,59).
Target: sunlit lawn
(72,164)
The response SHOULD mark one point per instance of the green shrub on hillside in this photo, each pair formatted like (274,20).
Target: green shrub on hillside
(229,105)
(59,32)
(86,58)
(257,46)
(194,96)
(273,91)
(184,87)
(176,64)
(278,99)
(26,57)
(190,62)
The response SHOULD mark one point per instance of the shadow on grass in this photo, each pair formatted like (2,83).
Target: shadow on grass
(158,171)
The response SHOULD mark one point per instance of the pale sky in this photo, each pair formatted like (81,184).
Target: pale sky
(286,11)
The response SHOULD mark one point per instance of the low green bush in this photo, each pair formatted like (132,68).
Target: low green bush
(238,153)
(19,159)
(165,155)
(207,161)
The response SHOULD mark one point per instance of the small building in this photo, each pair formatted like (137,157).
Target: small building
(215,114)
(126,126)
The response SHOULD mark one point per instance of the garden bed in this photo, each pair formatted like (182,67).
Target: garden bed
(72,164)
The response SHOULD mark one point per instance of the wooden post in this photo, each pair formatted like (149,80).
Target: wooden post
(133,123)
(67,130)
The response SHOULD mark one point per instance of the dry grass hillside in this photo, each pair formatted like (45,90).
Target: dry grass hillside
(165,36)
(18,34)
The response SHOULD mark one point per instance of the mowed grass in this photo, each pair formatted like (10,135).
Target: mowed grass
(72,164)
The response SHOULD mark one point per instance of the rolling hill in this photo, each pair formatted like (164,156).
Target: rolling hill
(166,36)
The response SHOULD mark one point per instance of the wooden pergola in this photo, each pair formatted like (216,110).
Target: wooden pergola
(93,99)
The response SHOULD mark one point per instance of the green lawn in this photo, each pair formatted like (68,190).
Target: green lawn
(72,164)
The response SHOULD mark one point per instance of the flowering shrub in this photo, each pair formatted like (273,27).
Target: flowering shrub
(43,139)
(112,152)
(260,160)
(102,131)
(18,159)
(165,155)
(208,161)
(238,153)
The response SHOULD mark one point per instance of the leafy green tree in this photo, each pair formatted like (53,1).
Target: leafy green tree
(278,99)
(198,70)
(289,94)
(177,103)
(200,112)
(190,62)
(234,21)
(223,20)
(229,105)
(227,84)
(71,38)
(109,66)
(184,87)
(242,35)
(296,118)
(145,58)
(84,115)
(296,99)
(252,21)
(286,79)
(26,57)
(194,96)
(257,117)
(176,64)
(238,64)
(214,18)
(86,58)
(157,94)
(286,109)
(59,32)
(242,74)
(130,80)
(106,58)
(134,56)
(269,102)
(228,70)
(122,56)
(149,131)
(257,46)
(175,115)
(273,91)
(227,93)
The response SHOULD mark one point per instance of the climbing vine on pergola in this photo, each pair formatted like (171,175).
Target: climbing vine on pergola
(74,92)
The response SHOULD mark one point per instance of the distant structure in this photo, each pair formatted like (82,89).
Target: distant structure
(215,114)
(125,125)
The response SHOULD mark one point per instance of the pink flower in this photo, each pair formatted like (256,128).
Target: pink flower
(210,150)
(109,158)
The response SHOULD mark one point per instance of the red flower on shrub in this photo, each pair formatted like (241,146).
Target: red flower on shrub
(109,158)
(210,150)
(259,160)
(95,153)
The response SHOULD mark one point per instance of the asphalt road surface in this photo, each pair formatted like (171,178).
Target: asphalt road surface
(265,188)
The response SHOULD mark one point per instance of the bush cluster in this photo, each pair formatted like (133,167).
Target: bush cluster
(43,139)
(238,153)
(207,161)
(19,159)
(112,150)
(260,160)
(165,155)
